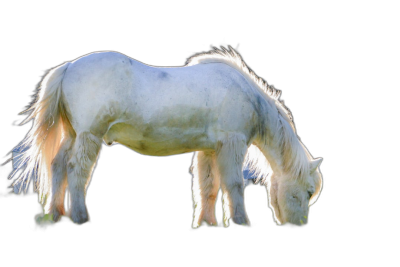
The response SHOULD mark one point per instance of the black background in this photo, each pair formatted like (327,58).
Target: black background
(307,55)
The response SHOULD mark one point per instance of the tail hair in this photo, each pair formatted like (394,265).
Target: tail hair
(37,150)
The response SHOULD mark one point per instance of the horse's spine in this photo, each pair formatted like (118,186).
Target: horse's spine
(42,142)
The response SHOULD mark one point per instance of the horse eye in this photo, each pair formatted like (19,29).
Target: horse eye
(310,194)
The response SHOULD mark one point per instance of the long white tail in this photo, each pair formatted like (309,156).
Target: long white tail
(41,144)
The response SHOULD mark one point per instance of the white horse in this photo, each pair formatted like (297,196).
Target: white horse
(214,105)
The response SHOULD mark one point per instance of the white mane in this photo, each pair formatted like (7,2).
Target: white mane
(295,155)
(232,58)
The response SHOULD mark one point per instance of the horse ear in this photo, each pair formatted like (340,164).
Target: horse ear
(314,164)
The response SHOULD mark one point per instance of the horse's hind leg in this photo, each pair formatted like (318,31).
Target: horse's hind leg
(59,179)
(206,180)
(229,157)
(79,168)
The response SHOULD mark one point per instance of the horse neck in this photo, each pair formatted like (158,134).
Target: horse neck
(283,150)
(273,154)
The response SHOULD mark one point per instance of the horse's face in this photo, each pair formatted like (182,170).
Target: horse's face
(290,198)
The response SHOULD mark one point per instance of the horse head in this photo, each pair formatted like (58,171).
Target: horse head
(291,198)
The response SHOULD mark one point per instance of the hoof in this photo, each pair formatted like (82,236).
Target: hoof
(79,218)
(240,220)
(205,224)
(209,223)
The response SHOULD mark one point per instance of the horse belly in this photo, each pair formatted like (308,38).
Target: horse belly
(160,141)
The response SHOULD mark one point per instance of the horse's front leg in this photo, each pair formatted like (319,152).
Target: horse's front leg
(229,158)
(205,188)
